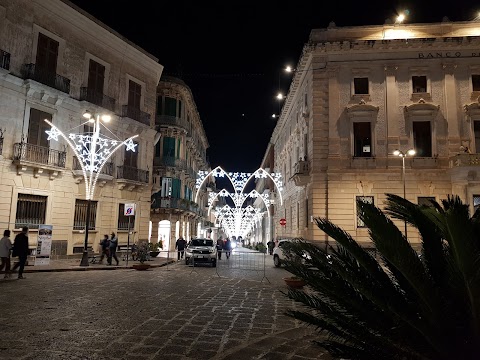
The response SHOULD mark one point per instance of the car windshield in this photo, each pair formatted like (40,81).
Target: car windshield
(201,242)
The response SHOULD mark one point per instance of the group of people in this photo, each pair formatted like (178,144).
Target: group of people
(19,248)
(109,247)
(224,246)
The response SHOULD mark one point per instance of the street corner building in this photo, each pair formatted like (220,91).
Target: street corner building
(357,95)
(179,206)
(56,62)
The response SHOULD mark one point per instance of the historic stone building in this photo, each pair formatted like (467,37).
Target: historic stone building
(56,62)
(360,93)
(177,210)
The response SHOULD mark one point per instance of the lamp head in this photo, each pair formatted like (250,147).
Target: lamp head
(411,152)
(106,118)
(87,115)
(397,152)
(289,69)
(280,96)
(400,18)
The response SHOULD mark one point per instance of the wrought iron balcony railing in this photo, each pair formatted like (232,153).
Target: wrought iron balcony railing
(170,161)
(159,202)
(4,60)
(463,160)
(136,114)
(46,77)
(132,173)
(172,121)
(39,155)
(97,98)
(107,168)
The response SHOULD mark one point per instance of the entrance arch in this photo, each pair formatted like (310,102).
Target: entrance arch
(164,227)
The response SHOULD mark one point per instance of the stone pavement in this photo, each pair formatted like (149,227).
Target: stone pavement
(174,312)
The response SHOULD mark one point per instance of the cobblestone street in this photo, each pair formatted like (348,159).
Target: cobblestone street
(174,312)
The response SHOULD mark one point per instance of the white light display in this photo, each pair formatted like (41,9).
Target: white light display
(92,150)
(238,220)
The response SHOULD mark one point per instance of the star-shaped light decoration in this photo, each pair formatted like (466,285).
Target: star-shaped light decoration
(130,145)
(53,133)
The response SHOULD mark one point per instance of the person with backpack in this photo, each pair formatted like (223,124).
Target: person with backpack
(105,246)
(113,249)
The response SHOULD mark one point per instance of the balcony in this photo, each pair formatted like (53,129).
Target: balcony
(178,205)
(166,120)
(4,60)
(97,98)
(39,158)
(169,161)
(106,173)
(131,177)
(136,114)
(465,167)
(301,177)
(190,173)
(46,77)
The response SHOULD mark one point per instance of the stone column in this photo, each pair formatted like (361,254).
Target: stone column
(333,112)
(451,109)
(154,236)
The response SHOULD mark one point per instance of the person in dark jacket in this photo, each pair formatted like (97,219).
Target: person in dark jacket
(20,249)
(270,245)
(112,251)
(219,248)
(180,246)
(105,245)
(227,247)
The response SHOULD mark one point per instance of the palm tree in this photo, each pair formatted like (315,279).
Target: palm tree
(401,306)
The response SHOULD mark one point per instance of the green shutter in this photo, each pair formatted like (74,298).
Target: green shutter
(179,141)
(168,147)
(176,186)
(170,106)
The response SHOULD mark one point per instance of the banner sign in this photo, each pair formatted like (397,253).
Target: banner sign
(44,245)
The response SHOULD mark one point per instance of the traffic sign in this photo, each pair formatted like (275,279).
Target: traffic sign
(129,210)
(283,222)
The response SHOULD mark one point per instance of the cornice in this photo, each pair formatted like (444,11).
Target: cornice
(421,109)
(362,110)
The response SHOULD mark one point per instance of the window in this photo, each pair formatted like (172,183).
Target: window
(123,220)
(134,94)
(131,157)
(96,77)
(179,141)
(166,187)
(176,186)
(170,106)
(419,84)
(425,200)
(168,147)
(360,86)
(80,217)
(366,200)
(47,53)
(476,131)
(476,82)
(422,138)
(37,127)
(31,210)
(476,202)
(362,139)
(179,108)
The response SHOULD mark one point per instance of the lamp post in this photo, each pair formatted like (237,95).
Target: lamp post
(403,155)
(92,150)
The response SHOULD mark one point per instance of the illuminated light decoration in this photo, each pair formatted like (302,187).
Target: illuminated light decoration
(237,220)
(91,162)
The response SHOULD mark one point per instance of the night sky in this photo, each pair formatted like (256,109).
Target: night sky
(231,54)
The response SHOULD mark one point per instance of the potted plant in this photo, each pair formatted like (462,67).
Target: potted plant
(143,252)
(294,282)
(154,249)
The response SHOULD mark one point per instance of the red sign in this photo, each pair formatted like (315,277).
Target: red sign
(283,222)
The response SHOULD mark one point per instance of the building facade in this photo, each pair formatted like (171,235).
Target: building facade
(177,208)
(360,93)
(56,62)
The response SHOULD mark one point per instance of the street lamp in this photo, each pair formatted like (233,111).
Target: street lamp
(92,150)
(403,155)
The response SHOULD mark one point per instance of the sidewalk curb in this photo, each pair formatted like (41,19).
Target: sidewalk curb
(88,268)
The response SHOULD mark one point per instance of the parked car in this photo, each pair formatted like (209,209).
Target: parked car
(278,254)
(201,251)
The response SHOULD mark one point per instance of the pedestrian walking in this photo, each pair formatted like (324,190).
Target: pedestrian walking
(20,249)
(112,250)
(219,248)
(228,248)
(270,245)
(105,247)
(180,246)
(5,247)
